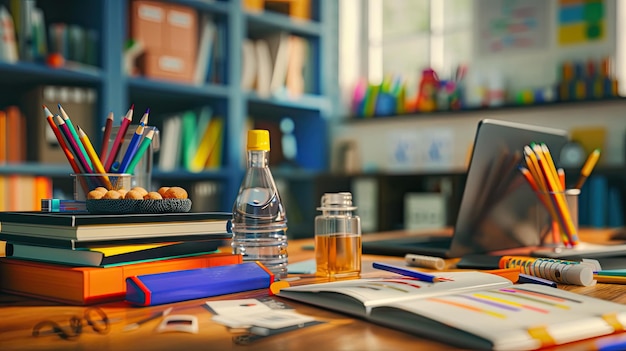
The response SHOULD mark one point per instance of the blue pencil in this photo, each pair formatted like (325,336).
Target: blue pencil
(406,272)
(131,150)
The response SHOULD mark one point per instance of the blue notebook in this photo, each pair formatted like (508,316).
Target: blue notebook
(162,288)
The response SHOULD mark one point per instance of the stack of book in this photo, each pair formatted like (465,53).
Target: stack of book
(80,258)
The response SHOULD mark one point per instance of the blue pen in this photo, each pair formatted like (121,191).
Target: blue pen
(527,278)
(406,272)
(613,343)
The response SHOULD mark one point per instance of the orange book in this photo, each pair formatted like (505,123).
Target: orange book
(90,285)
(16,135)
(3,137)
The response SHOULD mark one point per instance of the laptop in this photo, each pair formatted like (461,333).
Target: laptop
(497,210)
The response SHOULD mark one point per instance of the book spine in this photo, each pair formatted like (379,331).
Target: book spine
(157,289)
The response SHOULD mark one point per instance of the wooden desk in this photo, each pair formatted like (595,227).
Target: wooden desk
(18,315)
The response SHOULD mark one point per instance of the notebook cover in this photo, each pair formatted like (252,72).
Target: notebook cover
(161,288)
(77,219)
(90,285)
(110,256)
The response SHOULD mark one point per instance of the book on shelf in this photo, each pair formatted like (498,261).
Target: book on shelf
(107,256)
(473,310)
(72,229)
(205,50)
(89,285)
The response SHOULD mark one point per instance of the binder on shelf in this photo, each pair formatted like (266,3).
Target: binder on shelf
(78,102)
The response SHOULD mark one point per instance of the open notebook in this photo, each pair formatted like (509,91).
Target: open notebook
(496,211)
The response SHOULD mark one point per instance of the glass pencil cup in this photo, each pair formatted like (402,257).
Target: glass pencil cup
(142,173)
(557,217)
(86,182)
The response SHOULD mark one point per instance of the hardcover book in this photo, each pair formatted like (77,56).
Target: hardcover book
(473,310)
(110,255)
(68,229)
(90,285)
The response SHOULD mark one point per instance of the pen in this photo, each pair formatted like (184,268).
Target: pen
(136,325)
(406,272)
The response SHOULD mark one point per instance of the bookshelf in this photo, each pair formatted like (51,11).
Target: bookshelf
(116,90)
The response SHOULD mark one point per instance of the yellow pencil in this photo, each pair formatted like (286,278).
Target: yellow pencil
(559,199)
(591,162)
(91,152)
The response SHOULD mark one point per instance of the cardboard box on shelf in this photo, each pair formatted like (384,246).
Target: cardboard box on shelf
(169,65)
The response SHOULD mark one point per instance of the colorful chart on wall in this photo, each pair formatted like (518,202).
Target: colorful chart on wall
(512,25)
(581,21)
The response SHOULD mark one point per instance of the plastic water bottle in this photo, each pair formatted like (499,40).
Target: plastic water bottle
(259,222)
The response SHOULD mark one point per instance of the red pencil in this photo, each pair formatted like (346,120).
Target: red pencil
(105,137)
(62,144)
(119,139)
(68,135)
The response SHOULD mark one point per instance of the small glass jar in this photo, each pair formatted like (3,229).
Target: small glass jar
(337,237)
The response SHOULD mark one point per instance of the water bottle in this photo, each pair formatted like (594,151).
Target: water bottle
(259,222)
(337,237)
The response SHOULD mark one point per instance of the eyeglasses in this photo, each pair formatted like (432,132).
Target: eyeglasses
(95,317)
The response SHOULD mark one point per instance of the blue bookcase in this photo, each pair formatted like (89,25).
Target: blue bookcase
(116,91)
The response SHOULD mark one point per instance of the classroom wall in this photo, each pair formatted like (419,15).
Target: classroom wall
(442,141)
(537,65)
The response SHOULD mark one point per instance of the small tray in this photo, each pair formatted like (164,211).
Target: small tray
(111,206)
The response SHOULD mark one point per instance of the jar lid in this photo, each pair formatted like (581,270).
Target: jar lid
(337,201)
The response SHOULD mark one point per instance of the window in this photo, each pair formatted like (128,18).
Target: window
(381,38)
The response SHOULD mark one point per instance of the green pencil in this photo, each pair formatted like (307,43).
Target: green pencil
(145,143)
(67,120)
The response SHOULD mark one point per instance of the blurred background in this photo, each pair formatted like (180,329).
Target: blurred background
(377,97)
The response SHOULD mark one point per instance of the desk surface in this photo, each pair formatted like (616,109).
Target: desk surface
(18,315)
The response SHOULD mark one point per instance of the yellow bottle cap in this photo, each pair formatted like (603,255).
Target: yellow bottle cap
(259,139)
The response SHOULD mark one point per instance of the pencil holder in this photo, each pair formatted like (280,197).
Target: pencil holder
(86,182)
(142,172)
(557,217)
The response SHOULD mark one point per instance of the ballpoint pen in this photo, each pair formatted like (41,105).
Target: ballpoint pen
(137,324)
(406,272)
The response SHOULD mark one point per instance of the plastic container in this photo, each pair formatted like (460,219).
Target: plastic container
(337,237)
(259,222)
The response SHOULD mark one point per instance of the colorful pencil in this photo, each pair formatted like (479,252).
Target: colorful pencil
(406,272)
(119,139)
(590,163)
(108,125)
(145,143)
(76,149)
(144,118)
(97,164)
(62,144)
(72,129)
(131,149)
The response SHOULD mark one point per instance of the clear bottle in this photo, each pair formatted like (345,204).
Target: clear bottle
(337,237)
(259,222)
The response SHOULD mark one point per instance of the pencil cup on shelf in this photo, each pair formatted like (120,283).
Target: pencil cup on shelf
(337,237)
(86,182)
(142,171)
(557,218)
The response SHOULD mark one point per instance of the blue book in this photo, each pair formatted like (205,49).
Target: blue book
(598,200)
(162,288)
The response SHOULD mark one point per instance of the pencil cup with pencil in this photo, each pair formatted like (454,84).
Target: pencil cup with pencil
(86,182)
(557,224)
